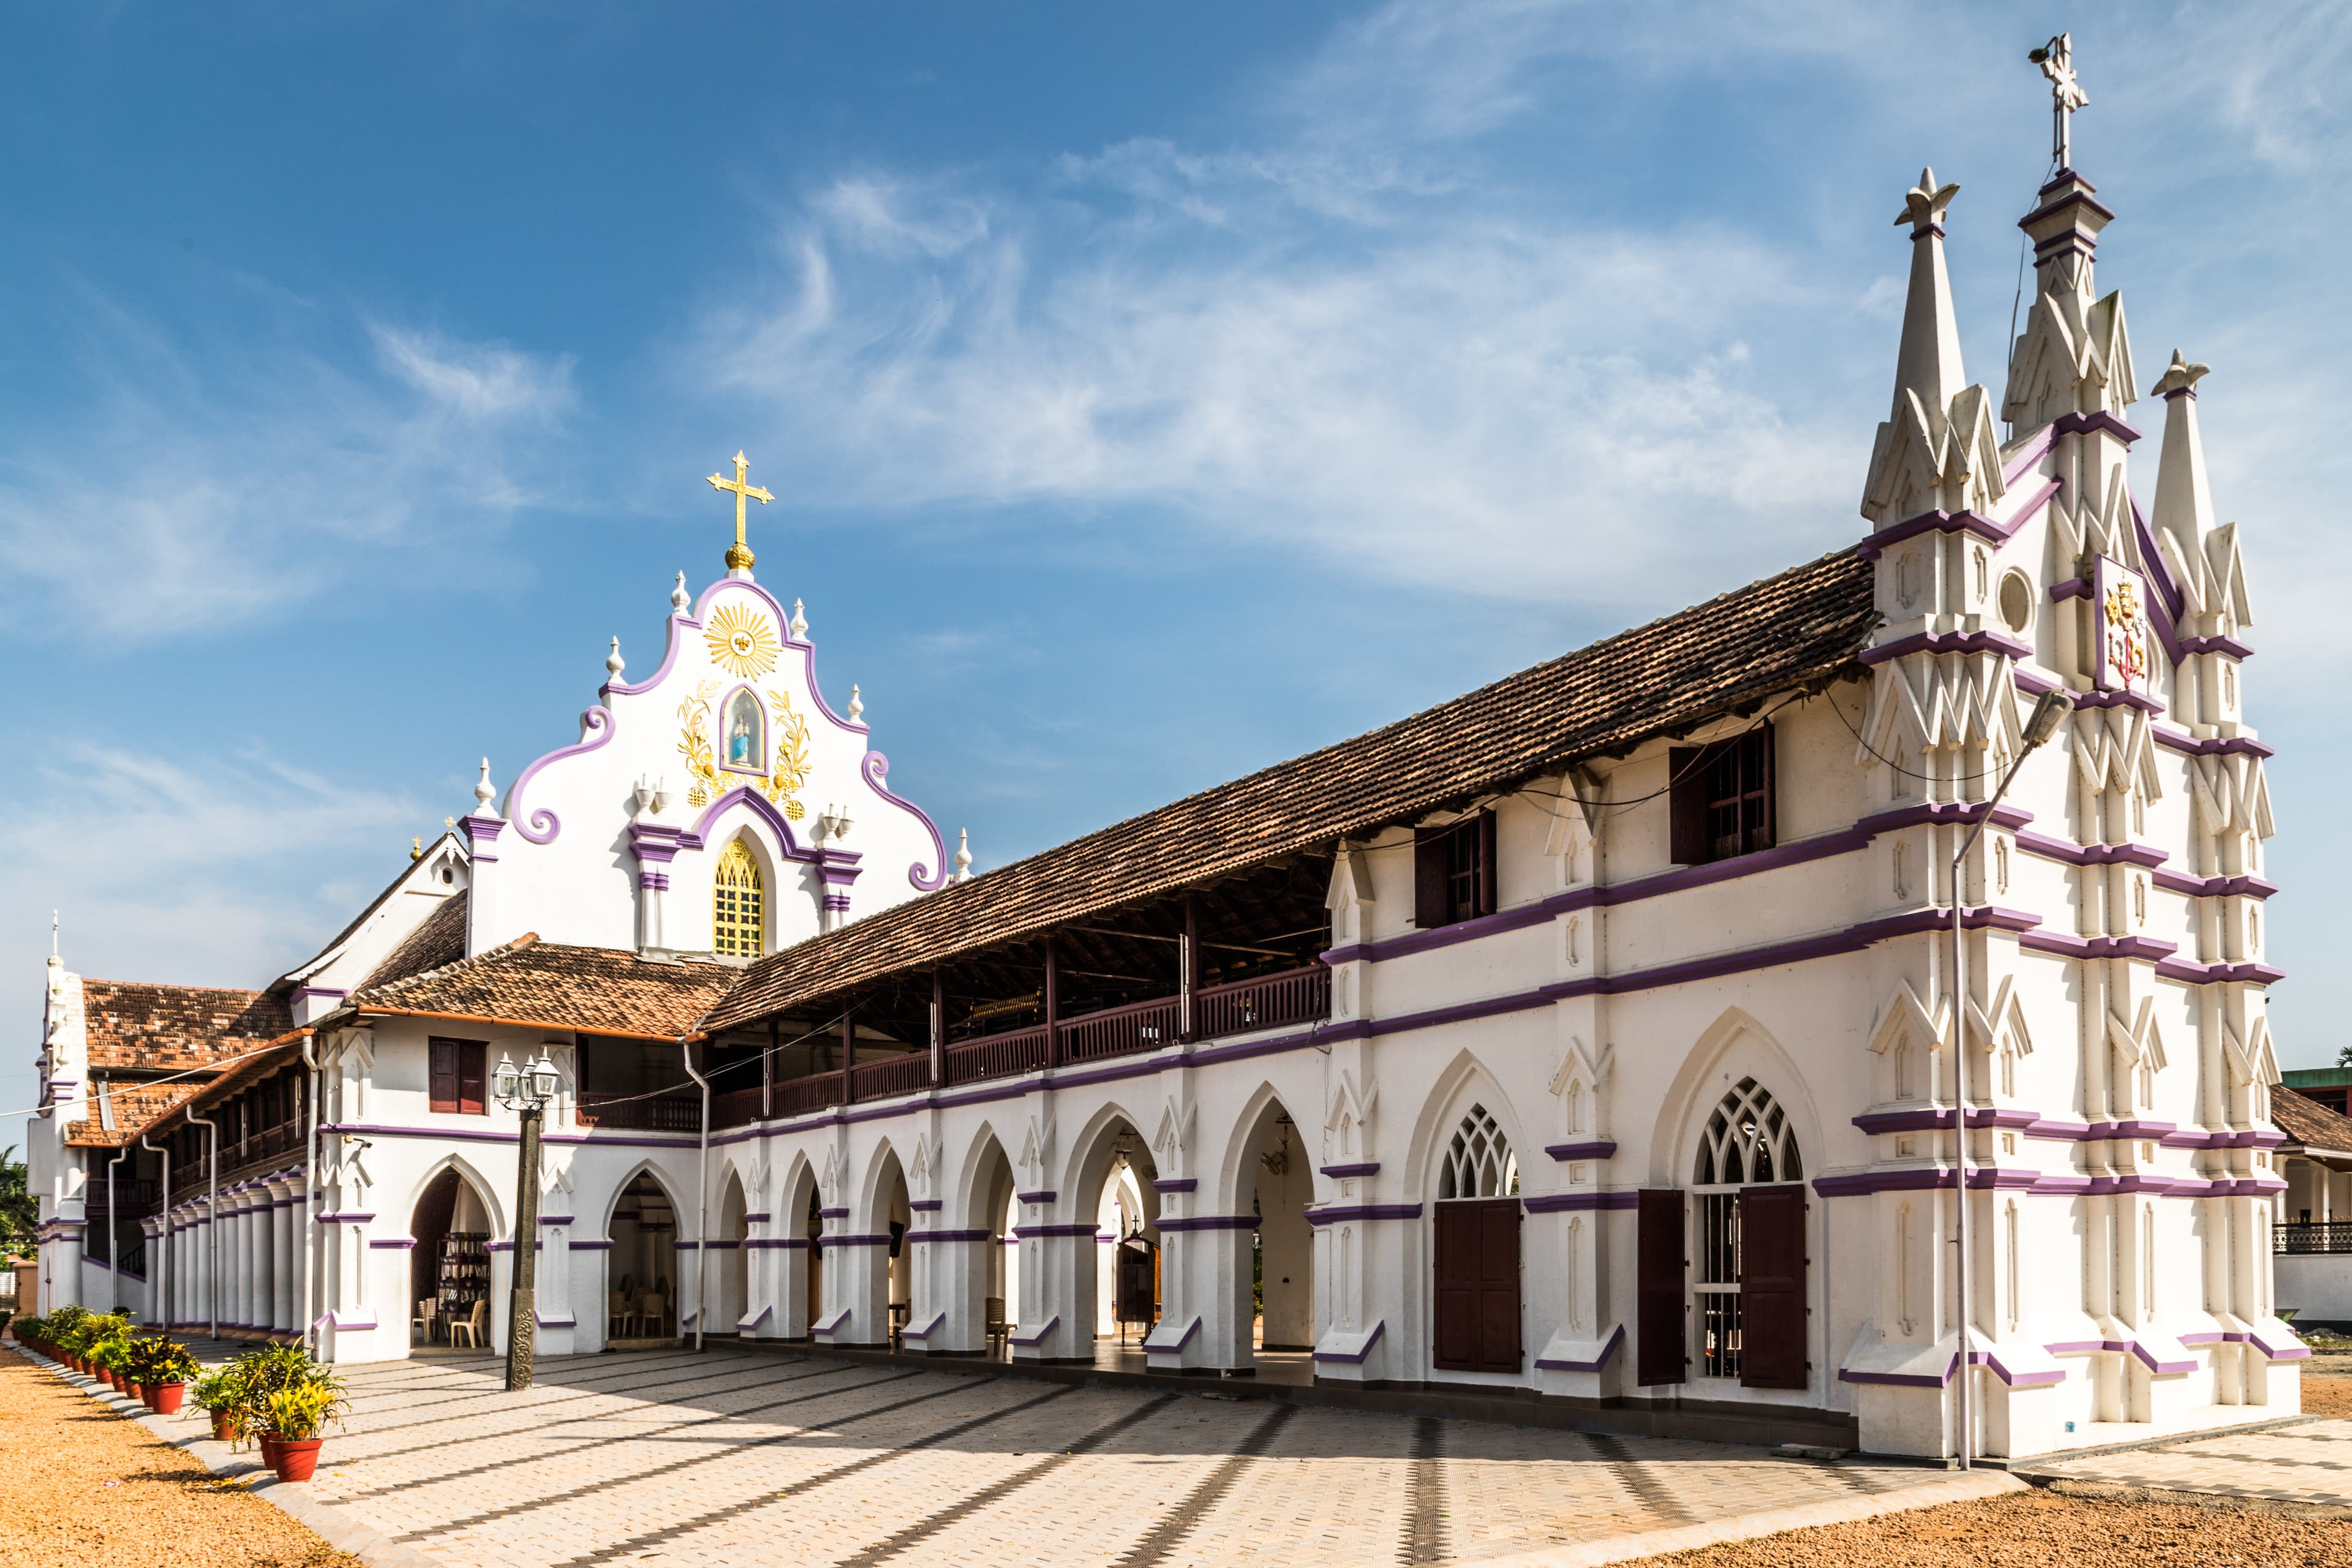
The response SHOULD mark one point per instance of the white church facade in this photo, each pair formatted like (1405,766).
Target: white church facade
(1587,1039)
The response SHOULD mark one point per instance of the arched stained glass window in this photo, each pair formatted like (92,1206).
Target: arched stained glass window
(1480,1164)
(738,904)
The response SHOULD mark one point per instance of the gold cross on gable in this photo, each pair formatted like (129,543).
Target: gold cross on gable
(739,554)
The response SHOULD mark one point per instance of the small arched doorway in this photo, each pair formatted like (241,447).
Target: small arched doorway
(449,1267)
(1477,1250)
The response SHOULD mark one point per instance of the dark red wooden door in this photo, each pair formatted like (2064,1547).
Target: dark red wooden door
(1659,1270)
(1479,1285)
(1772,1286)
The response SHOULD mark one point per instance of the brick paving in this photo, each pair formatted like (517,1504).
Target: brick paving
(2308,1465)
(735,1456)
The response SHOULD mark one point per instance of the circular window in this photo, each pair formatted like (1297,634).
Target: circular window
(2016,600)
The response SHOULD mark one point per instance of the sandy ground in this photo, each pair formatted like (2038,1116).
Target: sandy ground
(2045,1530)
(79,1486)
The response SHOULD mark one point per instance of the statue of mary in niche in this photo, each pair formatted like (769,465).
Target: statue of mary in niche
(746,746)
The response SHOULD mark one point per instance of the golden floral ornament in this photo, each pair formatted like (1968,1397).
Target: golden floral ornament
(742,641)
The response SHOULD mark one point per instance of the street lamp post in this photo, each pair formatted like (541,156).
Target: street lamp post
(525,1089)
(2052,707)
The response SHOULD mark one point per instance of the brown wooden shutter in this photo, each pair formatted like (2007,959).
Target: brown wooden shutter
(1658,1288)
(1457,1340)
(469,1077)
(1686,801)
(1429,900)
(1772,1286)
(1487,863)
(444,1075)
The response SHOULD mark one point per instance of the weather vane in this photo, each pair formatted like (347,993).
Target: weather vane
(2057,60)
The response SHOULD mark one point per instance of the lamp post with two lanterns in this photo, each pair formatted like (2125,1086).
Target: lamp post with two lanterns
(525,1089)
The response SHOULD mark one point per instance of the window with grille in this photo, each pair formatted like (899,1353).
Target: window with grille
(1479,1164)
(1723,798)
(738,904)
(1747,1143)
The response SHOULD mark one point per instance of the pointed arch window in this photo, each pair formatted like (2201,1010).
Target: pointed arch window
(739,904)
(1480,1164)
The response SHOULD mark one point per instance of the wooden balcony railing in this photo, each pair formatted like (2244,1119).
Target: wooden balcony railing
(659,1113)
(2312,1235)
(1270,1001)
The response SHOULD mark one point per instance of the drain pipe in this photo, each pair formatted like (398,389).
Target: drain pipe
(309,1200)
(212,1223)
(701,1203)
(113,1239)
(166,1276)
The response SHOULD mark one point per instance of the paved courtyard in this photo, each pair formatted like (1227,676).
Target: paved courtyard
(738,1458)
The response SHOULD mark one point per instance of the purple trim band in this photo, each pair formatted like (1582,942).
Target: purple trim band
(1573,1203)
(543,826)
(1354,1357)
(1028,1340)
(1209,1222)
(1616,1338)
(1360,1211)
(1599,1149)
(1175,1184)
(1340,1172)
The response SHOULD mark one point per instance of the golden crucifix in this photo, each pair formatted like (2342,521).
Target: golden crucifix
(739,554)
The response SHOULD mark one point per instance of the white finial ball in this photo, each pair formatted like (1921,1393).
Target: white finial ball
(614,662)
(800,621)
(679,598)
(856,703)
(484,791)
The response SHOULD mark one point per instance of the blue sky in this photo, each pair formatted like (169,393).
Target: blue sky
(1149,393)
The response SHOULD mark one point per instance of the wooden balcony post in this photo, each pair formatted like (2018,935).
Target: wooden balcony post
(1053,1004)
(848,1054)
(938,1029)
(1188,969)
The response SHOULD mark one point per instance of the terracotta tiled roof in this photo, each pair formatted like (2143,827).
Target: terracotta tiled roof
(136,1106)
(166,1028)
(2306,1121)
(601,990)
(1802,626)
(439,938)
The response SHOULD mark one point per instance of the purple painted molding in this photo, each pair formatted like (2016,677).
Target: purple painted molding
(1027,1340)
(1026,1231)
(1206,1222)
(873,770)
(1185,1338)
(1576,1203)
(1598,1149)
(1362,1168)
(400,1244)
(543,826)
(1360,1211)
(1174,1184)
(1044,1197)
(918,1205)
(1616,1338)
(1354,1357)
(1947,642)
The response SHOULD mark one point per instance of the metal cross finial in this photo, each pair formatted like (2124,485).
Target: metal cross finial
(2057,60)
(738,555)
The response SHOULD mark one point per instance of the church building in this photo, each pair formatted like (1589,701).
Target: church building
(1591,1039)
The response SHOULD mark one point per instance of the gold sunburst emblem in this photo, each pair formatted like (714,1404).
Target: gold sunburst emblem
(742,641)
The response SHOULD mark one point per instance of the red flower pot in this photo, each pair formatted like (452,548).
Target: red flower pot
(164,1397)
(297,1458)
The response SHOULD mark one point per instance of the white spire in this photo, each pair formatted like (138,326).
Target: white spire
(679,598)
(613,664)
(1936,451)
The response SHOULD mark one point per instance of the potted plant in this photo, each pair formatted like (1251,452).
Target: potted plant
(221,1395)
(296,1415)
